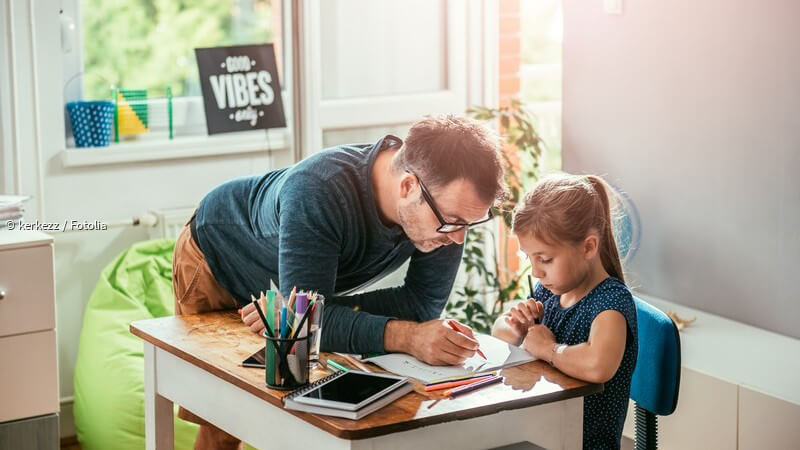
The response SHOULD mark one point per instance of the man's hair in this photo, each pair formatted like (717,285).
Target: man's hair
(442,149)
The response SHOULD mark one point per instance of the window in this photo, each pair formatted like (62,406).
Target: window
(149,44)
(540,72)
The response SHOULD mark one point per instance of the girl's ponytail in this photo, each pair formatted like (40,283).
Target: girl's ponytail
(609,254)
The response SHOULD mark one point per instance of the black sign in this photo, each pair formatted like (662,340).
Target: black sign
(240,88)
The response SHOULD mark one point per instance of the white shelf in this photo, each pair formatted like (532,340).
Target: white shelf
(740,354)
(182,147)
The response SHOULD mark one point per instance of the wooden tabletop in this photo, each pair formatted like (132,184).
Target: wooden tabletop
(218,343)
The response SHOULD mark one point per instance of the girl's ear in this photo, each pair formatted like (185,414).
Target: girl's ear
(591,245)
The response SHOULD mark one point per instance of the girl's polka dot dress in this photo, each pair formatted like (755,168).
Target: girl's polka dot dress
(604,412)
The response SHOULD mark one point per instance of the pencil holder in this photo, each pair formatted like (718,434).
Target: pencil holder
(316,332)
(287,362)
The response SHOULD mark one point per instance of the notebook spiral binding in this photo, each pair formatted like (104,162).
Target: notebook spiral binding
(312,386)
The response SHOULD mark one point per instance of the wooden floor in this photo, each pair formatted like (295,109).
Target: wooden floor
(70,443)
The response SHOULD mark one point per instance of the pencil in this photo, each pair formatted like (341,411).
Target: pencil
(261,316)
(530,286)
(455,327)
(452,384)
(474,386)
(337,366)
(461,377)
(292,297)
(359,365)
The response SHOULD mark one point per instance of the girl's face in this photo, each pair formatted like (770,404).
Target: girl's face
(560,268)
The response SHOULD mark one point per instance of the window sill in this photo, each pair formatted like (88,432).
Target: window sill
(178,148)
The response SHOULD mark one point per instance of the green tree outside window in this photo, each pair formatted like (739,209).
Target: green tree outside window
(149,44)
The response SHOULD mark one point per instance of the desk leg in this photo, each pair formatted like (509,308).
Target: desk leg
(158,410)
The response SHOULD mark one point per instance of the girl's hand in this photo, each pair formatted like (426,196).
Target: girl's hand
(523,315)
(517,329)
(539,342)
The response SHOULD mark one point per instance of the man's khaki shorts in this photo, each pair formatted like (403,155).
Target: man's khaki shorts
(196,290)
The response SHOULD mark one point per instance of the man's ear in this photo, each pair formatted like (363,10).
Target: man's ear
(408,184)
(590,246)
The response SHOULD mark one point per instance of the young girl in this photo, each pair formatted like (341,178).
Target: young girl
(588,318)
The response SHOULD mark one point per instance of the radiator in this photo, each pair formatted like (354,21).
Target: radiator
(169,222)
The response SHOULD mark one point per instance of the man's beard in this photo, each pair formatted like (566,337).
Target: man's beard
(410,226)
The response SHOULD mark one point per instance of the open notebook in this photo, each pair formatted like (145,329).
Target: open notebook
(499,355)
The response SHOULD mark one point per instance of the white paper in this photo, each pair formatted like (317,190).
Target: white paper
(499,354)
(12,200)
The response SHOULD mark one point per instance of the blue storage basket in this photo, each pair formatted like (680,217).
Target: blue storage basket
(91,122)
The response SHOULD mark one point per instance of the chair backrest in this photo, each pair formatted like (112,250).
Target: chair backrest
(657,376)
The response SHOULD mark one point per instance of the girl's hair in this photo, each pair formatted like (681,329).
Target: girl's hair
(566,208)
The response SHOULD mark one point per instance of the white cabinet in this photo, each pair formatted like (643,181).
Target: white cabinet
(767,422)
(739,387)
(28,358)
(705,417)
(28,375)
(26,278)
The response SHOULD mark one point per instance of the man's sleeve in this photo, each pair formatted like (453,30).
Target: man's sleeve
(312,227)
(424,293)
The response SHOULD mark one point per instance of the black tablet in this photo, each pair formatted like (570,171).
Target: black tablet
(351,390)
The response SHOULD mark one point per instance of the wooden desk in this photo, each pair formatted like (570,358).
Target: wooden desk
(194,361)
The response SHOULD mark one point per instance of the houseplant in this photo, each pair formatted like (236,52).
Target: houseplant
(491,278)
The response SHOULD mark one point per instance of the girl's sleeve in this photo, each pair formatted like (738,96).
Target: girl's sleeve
(618,298)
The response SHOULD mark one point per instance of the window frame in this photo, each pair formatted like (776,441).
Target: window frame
(149,149)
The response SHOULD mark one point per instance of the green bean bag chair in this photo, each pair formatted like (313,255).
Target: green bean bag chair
(109,373)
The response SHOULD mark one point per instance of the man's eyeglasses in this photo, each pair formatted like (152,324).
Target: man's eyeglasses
(445,227)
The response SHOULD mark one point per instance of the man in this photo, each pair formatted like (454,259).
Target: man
(340,220)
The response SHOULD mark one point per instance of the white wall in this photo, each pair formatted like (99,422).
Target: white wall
(693,107)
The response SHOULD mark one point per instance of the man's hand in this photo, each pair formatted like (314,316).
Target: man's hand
(251,319)
(432,342)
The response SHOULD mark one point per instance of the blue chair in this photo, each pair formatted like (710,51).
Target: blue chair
(657,376)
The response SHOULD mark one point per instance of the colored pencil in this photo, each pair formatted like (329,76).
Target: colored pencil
(337,366)
(262,317)
(472,387)
(461,377)
(530,286)
(452,384)
(292,297)
(358,364)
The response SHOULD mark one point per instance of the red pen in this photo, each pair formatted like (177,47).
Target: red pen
(455,327)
